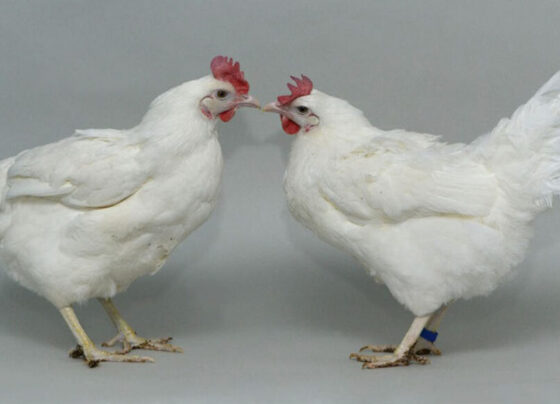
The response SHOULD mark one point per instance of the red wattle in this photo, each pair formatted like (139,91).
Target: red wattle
(289,126)
(227,115)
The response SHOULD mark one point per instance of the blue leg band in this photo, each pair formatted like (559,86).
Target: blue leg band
(429,335)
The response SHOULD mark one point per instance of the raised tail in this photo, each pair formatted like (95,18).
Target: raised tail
(524,150)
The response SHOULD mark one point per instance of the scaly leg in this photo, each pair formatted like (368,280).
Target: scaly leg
(403,354)
(424,345)
(86,348)
(128,337)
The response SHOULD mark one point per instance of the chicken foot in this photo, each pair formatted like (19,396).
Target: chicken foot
(127,336)
(411,347)
(425,343)
(86,348)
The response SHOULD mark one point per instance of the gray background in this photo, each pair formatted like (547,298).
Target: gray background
(265,311)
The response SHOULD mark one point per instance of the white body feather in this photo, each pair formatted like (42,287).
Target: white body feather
(434,222)
(86,216)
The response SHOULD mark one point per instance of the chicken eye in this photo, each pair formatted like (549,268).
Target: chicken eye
(302,110)
(221,94)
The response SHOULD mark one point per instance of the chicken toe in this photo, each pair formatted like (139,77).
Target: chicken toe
(386,361)
(93,356)
(132,341)
(127,336)
(87,350)
(422,347)
(400,355)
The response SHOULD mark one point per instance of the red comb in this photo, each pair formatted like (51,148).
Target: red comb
(224,69)
(303,87)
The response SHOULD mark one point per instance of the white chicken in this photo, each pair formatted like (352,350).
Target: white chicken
(84,217)
(433,221)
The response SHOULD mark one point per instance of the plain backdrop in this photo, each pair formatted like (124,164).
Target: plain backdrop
(264,310)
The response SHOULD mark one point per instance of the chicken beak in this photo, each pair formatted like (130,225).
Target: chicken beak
(272,107)
(248,101)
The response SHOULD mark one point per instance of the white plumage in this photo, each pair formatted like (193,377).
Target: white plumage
(86,216)
(433,221)
(101,208)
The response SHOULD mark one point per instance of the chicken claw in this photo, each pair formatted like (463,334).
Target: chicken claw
(417,341)
(128,337)
(402,354)
(132,341)
(93,356)
(386,361)
(422,347)
(378,348)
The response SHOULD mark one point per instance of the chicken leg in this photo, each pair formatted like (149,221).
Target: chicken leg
(128,337)
(86,348)
(425,343)
(417,341)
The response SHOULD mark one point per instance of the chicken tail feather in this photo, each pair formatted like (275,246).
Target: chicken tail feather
(524,150)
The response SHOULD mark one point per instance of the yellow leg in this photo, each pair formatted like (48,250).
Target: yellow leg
(422,346)
(87,349)
(128,337)
(425,347)
(402,354)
